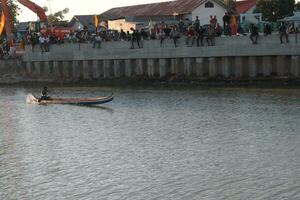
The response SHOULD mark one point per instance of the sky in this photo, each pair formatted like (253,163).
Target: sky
(78,7)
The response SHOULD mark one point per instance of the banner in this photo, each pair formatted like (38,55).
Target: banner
(96,21)
(2,23)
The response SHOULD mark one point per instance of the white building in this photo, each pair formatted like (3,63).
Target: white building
(169,12)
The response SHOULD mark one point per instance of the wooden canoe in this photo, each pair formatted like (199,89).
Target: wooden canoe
(31,99)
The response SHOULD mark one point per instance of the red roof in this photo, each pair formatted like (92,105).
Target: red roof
(156,9)
(244,6)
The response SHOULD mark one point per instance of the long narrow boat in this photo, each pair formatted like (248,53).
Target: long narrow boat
(31,99)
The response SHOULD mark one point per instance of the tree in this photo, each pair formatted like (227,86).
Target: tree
(231,5)
(58,17)
(297,6)
(273,10)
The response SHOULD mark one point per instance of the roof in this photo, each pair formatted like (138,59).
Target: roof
(244,6)
(85,20)
(156,9)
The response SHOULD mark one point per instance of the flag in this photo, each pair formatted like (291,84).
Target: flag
(2,22)
(96,21)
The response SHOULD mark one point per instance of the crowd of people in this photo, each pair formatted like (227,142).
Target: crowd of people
(193,33)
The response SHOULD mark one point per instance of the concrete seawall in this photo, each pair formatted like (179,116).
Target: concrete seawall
(231,57)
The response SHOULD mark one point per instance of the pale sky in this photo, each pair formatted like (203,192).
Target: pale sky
(78,7)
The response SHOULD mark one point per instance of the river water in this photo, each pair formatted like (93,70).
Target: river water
(166,143)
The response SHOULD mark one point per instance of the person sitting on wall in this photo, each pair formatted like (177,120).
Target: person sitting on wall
(97,40)
(253,33)
(267,29)
(44,94)
(218,30)
(175,35)
(190,37)
(200,36)
(210,36)
(227,30)
(134,38)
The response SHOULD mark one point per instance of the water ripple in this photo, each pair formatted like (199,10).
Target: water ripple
(207,144)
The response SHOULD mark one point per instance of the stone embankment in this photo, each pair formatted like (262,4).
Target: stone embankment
(231,58)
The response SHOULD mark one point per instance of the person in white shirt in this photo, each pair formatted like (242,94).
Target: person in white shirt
(97,40)
(47,43)
(42,42)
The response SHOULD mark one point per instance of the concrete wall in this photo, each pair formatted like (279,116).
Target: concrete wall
(226,46)
(233,57)
(12,70)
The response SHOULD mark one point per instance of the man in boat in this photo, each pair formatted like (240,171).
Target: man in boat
(44,94)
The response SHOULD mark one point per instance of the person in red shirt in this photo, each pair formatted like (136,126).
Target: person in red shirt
(190,37)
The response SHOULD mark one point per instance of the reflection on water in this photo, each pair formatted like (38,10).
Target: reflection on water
(152,144)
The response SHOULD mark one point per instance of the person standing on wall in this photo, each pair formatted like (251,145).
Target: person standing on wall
(283,33)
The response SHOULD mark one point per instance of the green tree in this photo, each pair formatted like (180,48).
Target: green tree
(297,6)
(58,17)
(13,11)
(231,5)
(273,10)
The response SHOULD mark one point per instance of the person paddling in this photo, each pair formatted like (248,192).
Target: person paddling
(44,94)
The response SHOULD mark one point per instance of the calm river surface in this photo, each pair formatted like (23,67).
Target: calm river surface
(177,144)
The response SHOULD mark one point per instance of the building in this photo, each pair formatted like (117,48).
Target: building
(81,22)
(245,6)
(22,29)
(245,9)
(169,12)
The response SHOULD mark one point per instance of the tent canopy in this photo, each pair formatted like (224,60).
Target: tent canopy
(295,18)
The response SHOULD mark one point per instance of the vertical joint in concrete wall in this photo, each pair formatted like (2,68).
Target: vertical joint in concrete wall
(295,69)
(96,71)
(199,67)
(76,69)
(139,67)
(28,68)
(280,65)
(117,73)
(56,70)
(267,65)
(108,69)
(151,67)
(128,68)
(212,67)
(86,74)
(238,69)
(225,66)
(252,64)
(174,63)
(46,69)
(187,67)
(37,68)
(162,67)
(66,69)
